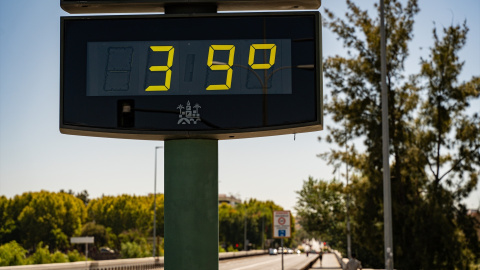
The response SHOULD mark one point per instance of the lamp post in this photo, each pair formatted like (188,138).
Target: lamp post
(155,203)
(387,198)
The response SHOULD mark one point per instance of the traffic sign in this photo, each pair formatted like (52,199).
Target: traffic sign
(212,76)
(281,224)
(82,240)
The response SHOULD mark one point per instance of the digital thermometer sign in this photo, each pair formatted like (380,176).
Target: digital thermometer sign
(218,76)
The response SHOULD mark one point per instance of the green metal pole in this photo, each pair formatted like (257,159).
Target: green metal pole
(191,204)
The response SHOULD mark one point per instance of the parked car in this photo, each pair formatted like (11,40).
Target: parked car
(272,251)
(106,250)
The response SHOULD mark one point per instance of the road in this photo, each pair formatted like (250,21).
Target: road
(267,262)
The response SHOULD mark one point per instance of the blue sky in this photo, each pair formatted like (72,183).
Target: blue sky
(35,156)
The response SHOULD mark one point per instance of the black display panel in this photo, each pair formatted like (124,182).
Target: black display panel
(215,76)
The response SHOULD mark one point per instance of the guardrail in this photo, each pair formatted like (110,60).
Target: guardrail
(122,264)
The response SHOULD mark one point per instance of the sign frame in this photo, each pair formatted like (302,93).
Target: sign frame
(135,6)
(85,130)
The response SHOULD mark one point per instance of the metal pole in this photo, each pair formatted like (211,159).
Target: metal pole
(245,231)
(387,201)
(155,203)
(282,253)
(86,255)
(349,239)
(263,231)
(191,204)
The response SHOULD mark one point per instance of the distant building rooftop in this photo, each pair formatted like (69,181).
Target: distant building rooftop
(222,198)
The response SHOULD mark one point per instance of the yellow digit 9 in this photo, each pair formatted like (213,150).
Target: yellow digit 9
(168,75)
(228,67)
(251,56)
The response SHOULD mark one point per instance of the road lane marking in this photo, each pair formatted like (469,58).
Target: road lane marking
(256,264)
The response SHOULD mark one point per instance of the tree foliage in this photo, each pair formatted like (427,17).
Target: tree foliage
(43,216)
(321,208)
(434,142)
(256,215)
(43,222)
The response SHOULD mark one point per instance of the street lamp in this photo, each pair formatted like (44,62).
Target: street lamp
(155,203)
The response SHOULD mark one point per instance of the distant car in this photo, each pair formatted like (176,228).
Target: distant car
(298,251)
(106,250)
(272,251)
(289,251)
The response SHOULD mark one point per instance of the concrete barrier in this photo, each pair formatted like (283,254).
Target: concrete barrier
(339,258)
(123,264)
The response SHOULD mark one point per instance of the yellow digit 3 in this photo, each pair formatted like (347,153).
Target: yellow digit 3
(168,74)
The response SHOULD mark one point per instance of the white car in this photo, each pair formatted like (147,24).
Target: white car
(272,251)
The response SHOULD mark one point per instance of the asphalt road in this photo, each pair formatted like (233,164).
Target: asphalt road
(267,262)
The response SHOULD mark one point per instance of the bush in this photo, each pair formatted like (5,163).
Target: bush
(42,255)
(74,256)
(231,249)
(12,254)
(134,250)
(59,257)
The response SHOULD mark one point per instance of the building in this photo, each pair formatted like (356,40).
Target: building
(223,198)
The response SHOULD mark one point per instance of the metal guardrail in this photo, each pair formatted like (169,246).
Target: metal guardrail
(122,264)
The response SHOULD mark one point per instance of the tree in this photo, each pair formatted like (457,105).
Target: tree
(434,144)
(7,224)
(258,218)
(126,213)
(51,218)
(321,208)
(47,217)
(100,234)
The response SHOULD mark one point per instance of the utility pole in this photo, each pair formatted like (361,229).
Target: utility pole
(349,239)
(387,200)
(245,232)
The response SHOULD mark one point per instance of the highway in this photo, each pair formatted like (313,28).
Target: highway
(267,262)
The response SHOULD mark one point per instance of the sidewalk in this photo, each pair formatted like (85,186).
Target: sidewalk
(329,261)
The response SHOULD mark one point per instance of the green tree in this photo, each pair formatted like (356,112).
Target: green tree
(7,223)
(321,208)
(258,218)
(99,232)
(434,144)
(125,213)
(12,254)
(50,218)
(230,225)
(35,217)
